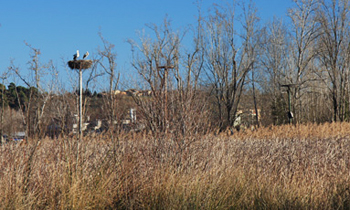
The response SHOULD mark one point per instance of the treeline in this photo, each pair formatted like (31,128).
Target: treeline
(243,63)
(16,96)
(234,64)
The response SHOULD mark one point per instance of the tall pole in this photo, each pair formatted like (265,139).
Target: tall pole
(80,65)
(80,104)
(165,94)
(166,98)
(2,110)
(290,105)
(290,113)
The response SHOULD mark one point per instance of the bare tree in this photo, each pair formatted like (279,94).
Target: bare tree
(3,77)
(107,52)
(110,68)
(93,74)
(274,64)
(38,98)
(189,104)
(154,60)
(172,75)
(334,52)
(230,56)
(304,32)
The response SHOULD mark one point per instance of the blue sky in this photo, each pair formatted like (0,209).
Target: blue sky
(59,27)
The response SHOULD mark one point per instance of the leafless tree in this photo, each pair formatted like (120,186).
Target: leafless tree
(172,75)
(334,52)
(154,60)
(274,64)
(38,97)
(3,77)
(189,105)
(108,52)
(91,78)
(108,63)
(304,32)
(230,56)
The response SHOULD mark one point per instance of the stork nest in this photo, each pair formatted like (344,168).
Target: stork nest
(80,64)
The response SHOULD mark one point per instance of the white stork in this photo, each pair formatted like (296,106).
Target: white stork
(86,55)
(76,55)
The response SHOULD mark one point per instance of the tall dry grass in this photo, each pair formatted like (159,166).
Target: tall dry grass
(285,167)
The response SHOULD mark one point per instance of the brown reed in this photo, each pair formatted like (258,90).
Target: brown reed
(282,167)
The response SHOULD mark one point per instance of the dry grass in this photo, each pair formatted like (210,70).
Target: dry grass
(298,167)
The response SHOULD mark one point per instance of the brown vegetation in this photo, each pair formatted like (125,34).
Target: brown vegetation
(295,167)
(175,159)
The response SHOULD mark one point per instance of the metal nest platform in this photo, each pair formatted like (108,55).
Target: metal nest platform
(80,64)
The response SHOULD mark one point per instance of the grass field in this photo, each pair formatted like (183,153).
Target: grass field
(284,167)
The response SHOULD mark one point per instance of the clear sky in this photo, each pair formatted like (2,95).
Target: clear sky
(59,27)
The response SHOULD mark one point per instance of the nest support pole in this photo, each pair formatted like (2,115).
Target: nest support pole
(80,65)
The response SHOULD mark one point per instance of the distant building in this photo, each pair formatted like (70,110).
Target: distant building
(246,118)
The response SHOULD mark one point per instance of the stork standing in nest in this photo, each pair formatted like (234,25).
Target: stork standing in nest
(86,55)
(76,55)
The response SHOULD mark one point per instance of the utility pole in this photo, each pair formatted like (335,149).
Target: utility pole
(2,107)
(165,93)
(290,113)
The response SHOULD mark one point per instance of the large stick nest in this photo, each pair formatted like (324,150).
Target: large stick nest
(80,64)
